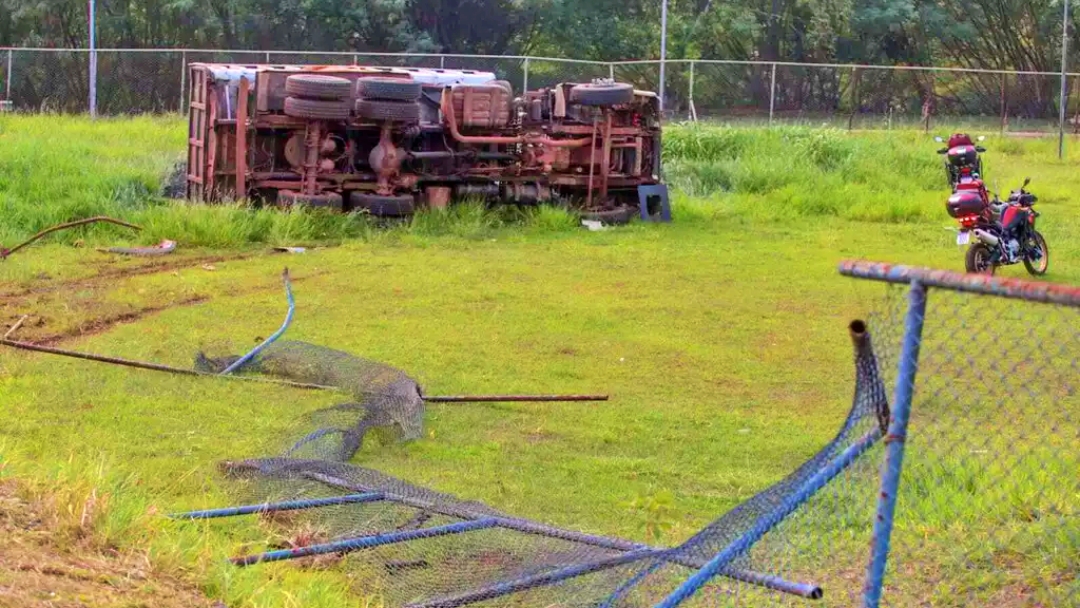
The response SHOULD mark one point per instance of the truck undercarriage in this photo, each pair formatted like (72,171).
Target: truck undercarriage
(390,140)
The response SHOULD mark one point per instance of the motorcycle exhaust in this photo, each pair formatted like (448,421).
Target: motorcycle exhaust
(987,238)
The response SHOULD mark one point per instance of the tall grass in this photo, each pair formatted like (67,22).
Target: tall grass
(54,169)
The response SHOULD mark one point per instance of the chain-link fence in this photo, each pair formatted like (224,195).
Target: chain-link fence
(855,97)
(980,488)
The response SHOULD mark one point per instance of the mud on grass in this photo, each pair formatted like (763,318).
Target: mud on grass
(49,559)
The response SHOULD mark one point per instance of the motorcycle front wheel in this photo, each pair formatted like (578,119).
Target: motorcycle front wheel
(1043,263)
(977,260)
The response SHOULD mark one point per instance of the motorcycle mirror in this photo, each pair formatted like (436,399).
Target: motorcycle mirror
(981,138)
(939,138)
(1027,180)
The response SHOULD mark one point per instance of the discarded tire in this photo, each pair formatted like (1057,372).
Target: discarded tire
(396,111)
(327,200)
(388,89)
(606,94)
(317,86)
(617,216)
(316,109)
(383,206)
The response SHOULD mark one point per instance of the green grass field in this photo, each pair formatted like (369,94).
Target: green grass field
(721,337)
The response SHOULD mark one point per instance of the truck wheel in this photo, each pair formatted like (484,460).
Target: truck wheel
(317,86)
(388,89)
(595,94)
(383,206)
(397,111)
(327,200)
(316,109)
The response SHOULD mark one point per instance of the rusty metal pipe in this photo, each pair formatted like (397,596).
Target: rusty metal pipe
(512,398)
(447,107)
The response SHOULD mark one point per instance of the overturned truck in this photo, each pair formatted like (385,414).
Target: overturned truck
(390,140)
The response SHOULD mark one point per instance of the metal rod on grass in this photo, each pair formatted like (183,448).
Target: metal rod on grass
(290,505)
(152,366)
(4,253)
(512,398)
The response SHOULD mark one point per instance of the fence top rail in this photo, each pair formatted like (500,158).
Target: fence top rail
(1019,289)
(746,62)
(332,53)
(844,66)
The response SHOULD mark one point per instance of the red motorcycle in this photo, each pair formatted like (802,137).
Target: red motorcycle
(962,158)
(1004,232)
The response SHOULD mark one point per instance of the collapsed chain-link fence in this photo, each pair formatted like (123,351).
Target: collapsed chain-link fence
(954,480)
(133,81)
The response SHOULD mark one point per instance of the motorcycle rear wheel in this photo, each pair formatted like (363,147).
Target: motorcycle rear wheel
(977,260)
(1044,261)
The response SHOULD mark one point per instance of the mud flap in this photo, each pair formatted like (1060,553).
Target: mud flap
(653,210)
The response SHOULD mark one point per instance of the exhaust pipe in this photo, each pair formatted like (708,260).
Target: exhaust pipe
(987,238)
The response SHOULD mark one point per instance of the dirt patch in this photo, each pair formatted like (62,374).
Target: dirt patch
(34,571)
(101,325)
(112,272)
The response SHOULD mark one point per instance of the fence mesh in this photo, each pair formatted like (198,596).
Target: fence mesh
(988,509)
(141,81)
(989,503)
(469,553)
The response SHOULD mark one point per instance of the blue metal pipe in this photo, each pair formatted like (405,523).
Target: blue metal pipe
(365,542)
(536,580)
(277,334)
(289,505)
(605,542)
(770,520)
(894,455)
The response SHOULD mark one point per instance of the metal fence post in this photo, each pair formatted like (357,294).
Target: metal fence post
(690,108)
(7,85)
(894,444)
(183,81)
(355,59)
(772,93)
(611,71)
(525,78)
(1064,78)
(93,64)
(267,56)
(442,62)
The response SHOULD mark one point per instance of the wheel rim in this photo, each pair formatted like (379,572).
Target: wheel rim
(982,260)
(1039,242)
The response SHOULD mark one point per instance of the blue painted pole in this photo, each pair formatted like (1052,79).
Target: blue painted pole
(365,542)
(536,580)
(277,334)
(274,507)
(769,521)
(894,444)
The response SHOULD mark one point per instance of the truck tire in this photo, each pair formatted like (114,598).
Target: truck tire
(388,89)
(506,85)
(396,111)
(317,86)
(316,109)
(613,217)
(599,95)
(326,200)
(383,206)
